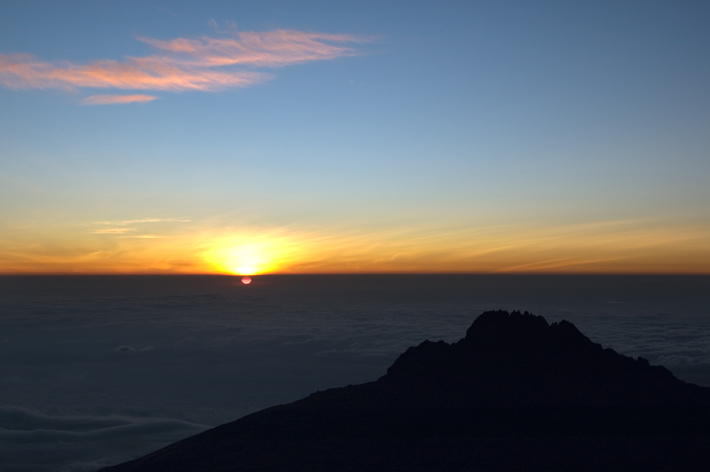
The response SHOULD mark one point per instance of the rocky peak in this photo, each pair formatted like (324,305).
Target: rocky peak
(515,387)
(519,358)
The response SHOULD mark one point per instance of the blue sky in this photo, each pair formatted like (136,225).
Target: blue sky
(456,136)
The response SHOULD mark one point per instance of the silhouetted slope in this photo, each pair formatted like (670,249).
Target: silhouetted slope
(515,393)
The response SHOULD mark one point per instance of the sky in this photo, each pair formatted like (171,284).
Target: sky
(338,137)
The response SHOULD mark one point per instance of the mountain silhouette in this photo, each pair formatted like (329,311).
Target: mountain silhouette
(516,393)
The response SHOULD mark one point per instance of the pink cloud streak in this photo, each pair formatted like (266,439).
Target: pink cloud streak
(266,49)
(22,71)
(116,99)
(205,64)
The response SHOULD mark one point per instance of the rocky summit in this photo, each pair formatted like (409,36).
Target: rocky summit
(516,393)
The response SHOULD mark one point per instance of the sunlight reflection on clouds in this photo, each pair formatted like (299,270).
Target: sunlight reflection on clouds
(205,64)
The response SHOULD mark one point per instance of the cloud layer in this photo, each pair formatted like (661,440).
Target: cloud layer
(97,370)
(33,441)
(181,64)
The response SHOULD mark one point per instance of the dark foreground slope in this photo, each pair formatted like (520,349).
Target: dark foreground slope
(515,394)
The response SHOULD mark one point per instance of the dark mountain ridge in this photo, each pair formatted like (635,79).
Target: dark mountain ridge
(516,393)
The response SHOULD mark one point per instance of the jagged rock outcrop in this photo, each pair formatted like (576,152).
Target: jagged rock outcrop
(516,393)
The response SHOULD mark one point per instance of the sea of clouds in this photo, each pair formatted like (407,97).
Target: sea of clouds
(98,370)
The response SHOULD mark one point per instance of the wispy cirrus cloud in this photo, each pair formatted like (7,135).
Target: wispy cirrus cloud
(262,49)
(122,230)
(113,230)
(116,99)
(144,236)
(202,64)
(144,220)
(160,73)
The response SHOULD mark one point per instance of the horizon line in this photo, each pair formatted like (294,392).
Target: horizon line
(217,274)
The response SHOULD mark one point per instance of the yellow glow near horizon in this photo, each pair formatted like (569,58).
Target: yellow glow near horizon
(249,255)
(638,246)
(248,260)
